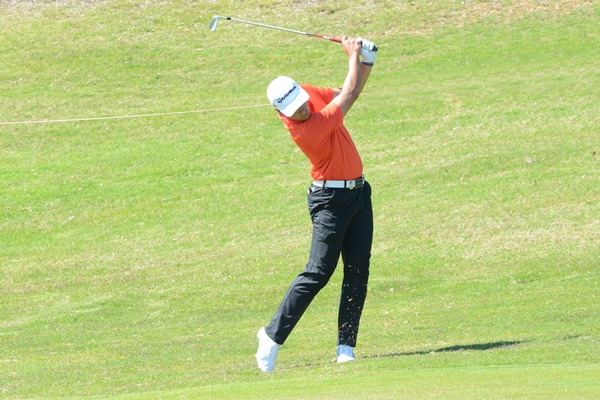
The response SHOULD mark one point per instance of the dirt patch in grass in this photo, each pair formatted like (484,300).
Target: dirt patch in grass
(34,8)
(420,17)
(471,11)
(413,15)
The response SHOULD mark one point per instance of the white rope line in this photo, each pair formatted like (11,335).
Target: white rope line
(50,121)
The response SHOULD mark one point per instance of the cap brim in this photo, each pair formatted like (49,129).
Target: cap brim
(295,105)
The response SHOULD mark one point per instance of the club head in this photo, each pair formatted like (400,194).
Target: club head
(213,23)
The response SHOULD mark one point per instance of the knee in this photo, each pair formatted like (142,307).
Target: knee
(316,280)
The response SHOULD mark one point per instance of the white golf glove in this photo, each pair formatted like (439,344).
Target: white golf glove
(369,51)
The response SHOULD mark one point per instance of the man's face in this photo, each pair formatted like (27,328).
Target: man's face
(302,113)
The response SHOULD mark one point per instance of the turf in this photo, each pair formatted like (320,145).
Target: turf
(139,256)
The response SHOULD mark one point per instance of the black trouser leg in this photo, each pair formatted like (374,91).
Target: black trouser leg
(356,254)
(342,222)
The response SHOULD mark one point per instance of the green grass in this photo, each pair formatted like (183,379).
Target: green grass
(139,256)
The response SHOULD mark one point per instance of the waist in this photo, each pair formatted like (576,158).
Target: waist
(349,184)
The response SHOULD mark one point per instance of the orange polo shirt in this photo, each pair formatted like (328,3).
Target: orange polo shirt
(324,139)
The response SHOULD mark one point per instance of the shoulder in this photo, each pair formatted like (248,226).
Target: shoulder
(327,119)
(323,92)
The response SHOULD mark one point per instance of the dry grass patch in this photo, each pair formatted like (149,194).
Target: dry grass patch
(507,11)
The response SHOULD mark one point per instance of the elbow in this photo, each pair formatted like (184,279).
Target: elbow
(354,94)
(354,91)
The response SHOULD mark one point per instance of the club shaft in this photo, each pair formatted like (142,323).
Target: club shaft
(333,39)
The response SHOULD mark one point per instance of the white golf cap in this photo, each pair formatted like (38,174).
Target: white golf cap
(286,95)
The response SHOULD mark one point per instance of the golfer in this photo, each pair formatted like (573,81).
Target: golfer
(339,202)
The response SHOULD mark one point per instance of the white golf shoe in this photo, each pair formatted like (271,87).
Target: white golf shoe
(267,351)
(345,353)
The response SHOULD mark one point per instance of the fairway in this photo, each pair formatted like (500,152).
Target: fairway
(153,207)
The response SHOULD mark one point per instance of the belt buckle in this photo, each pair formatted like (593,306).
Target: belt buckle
(351,185)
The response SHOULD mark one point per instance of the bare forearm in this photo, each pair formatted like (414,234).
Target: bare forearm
(365,71)
(354,83)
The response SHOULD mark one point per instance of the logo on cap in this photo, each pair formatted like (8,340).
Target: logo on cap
(281,99)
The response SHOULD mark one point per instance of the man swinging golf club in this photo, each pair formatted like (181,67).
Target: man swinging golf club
(339,202)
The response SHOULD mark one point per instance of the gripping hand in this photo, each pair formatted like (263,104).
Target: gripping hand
(368,50)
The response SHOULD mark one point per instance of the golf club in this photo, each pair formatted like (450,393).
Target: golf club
(213,26)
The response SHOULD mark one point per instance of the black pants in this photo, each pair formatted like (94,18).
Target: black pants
(342,224)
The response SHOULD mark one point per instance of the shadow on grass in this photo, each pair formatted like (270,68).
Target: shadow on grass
(466,347)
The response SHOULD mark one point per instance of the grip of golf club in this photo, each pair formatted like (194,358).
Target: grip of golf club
(338,40)
(333,39)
